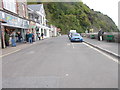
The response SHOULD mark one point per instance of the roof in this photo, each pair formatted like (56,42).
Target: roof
(35,7)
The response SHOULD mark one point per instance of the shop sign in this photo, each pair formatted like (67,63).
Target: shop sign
(11,20)
(14,21)
(32,25)
(25,24)
(20,22)
(2,16)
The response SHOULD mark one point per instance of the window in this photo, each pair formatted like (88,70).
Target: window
(0,4)
(10,5)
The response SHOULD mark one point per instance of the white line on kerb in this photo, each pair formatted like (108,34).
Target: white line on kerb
(115,60)
(10,53)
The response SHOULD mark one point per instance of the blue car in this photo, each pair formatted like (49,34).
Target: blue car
(76,37)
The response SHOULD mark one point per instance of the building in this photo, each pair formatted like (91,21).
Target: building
(54,31)
(34,20)
(40,17)
(11,12)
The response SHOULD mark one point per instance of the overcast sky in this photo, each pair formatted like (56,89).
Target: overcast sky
(108,7)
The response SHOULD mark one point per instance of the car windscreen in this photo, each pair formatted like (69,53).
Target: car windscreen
(76,34)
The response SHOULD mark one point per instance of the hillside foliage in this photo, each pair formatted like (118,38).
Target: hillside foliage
(78,16)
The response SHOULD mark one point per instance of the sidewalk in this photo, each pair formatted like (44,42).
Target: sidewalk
(111,47)
(10,49)
(20,46)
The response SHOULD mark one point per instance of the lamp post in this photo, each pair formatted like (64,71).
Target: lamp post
(1,35)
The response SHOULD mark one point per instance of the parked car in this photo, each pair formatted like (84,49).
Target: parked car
(76,37)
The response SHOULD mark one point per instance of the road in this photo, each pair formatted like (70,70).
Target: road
(58,63)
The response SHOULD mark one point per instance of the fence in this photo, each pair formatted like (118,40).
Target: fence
(108,36)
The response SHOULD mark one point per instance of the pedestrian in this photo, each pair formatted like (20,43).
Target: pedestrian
(13,39)
(7,38)
(42,35)
(33,37)
(30,37)
(39,36)
(100,35)
(27,36)
(19,37)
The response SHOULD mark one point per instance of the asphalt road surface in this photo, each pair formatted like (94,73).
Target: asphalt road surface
(58,63)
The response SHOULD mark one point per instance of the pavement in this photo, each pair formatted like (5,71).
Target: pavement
(19,46)
(108,47)
(58,63)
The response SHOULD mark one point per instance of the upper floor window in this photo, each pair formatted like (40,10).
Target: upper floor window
(10,5)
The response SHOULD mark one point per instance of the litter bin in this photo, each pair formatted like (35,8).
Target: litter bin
(110,38)
(92,36)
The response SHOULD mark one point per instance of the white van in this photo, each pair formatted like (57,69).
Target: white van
(73,31)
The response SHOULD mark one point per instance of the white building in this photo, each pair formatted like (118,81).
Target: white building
(53,32)
(42,21)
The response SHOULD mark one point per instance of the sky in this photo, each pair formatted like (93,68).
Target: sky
(107,7)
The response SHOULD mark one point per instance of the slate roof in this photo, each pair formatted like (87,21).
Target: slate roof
(35,7)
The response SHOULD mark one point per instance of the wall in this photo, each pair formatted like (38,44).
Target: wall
(0,4)
(22,9)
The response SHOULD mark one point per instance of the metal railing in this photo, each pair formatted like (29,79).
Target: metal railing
(108,36)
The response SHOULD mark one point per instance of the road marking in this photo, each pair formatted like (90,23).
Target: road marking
(77,43)
(115,60)
(68,44)
(73,45)
(66,74)
(10,53)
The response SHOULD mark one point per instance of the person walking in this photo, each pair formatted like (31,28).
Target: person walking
(19,37)
(42,35)
(100,35)
(39,36)
(30,37)
(33,35)
(13,39)
(27,37)
(7,38)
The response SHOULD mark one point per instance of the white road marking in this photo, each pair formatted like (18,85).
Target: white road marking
(73,45)
(66,74)
(76,43)
(10,53)
(115,60)
(68,44)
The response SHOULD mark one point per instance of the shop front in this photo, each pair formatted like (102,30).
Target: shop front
(14,28)
(43,29)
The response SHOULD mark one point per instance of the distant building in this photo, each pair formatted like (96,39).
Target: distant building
(53,31)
